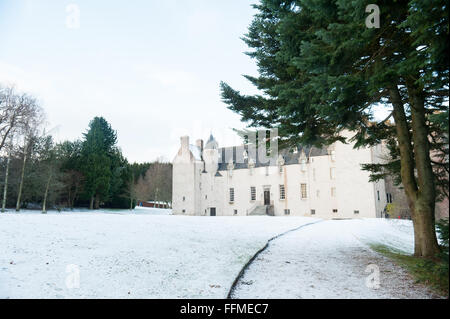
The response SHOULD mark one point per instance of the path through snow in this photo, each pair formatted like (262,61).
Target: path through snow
(329,260)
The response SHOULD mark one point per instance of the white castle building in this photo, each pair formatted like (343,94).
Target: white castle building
(325,183)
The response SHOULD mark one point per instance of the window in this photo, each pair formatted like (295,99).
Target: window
(333,191)
(332,172)
(282,192)
(313,211)
(280,169)
(389,198)
(252,193)
(231,195)
(335,211)
(287,211)
(303,164)
(184,198)
(333,155)
(356,212)
(303,191)
(184,211)
(235,211)
(206,196)
(378,195)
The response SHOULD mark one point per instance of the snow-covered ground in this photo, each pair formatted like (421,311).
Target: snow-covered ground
(147,253)
(332,259)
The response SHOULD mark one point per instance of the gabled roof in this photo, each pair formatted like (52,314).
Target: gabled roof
(236,154)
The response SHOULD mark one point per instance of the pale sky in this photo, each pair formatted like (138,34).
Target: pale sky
(151,68)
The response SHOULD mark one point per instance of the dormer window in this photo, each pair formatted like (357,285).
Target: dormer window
(251,165)
(303,160)
(230,168)
(280,163)
(332,153)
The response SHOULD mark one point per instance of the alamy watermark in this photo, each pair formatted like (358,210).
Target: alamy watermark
(73,277)
(373,19)
(73,16)
(373,279)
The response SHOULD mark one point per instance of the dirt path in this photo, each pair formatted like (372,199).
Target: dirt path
(324,260)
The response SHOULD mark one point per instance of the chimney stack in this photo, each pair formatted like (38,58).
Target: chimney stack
(185,142)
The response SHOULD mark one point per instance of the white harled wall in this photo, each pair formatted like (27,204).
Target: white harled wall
(197,182)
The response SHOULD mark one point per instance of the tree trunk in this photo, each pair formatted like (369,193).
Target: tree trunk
(91,204)
(426,195)
(19,195)
(422,209)
(97,201)
(5,189)
(44,204)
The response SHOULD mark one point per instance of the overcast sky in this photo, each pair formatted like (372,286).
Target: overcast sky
(151,68)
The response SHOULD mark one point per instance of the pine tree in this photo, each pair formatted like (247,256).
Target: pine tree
(322,70)
(97,154)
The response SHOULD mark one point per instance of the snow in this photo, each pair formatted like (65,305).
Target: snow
(150,253)
(147,253)
(330,259)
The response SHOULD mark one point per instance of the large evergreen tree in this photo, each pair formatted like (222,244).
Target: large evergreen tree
(322,70)
(97,156)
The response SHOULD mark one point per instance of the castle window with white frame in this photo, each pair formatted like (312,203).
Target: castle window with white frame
(303,191)
(282,192)
(231,195)
(253,193)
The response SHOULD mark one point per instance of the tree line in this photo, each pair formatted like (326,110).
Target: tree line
(39,173)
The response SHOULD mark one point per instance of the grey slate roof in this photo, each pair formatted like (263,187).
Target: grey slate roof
(236,153)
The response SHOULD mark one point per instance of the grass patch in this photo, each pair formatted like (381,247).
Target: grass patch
(431,273)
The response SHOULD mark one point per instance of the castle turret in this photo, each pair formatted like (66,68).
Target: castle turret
(211,155)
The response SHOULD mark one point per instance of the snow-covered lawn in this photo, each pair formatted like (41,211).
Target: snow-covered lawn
(121,254)
(333,259)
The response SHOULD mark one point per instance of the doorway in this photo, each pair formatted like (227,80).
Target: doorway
(267,197)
